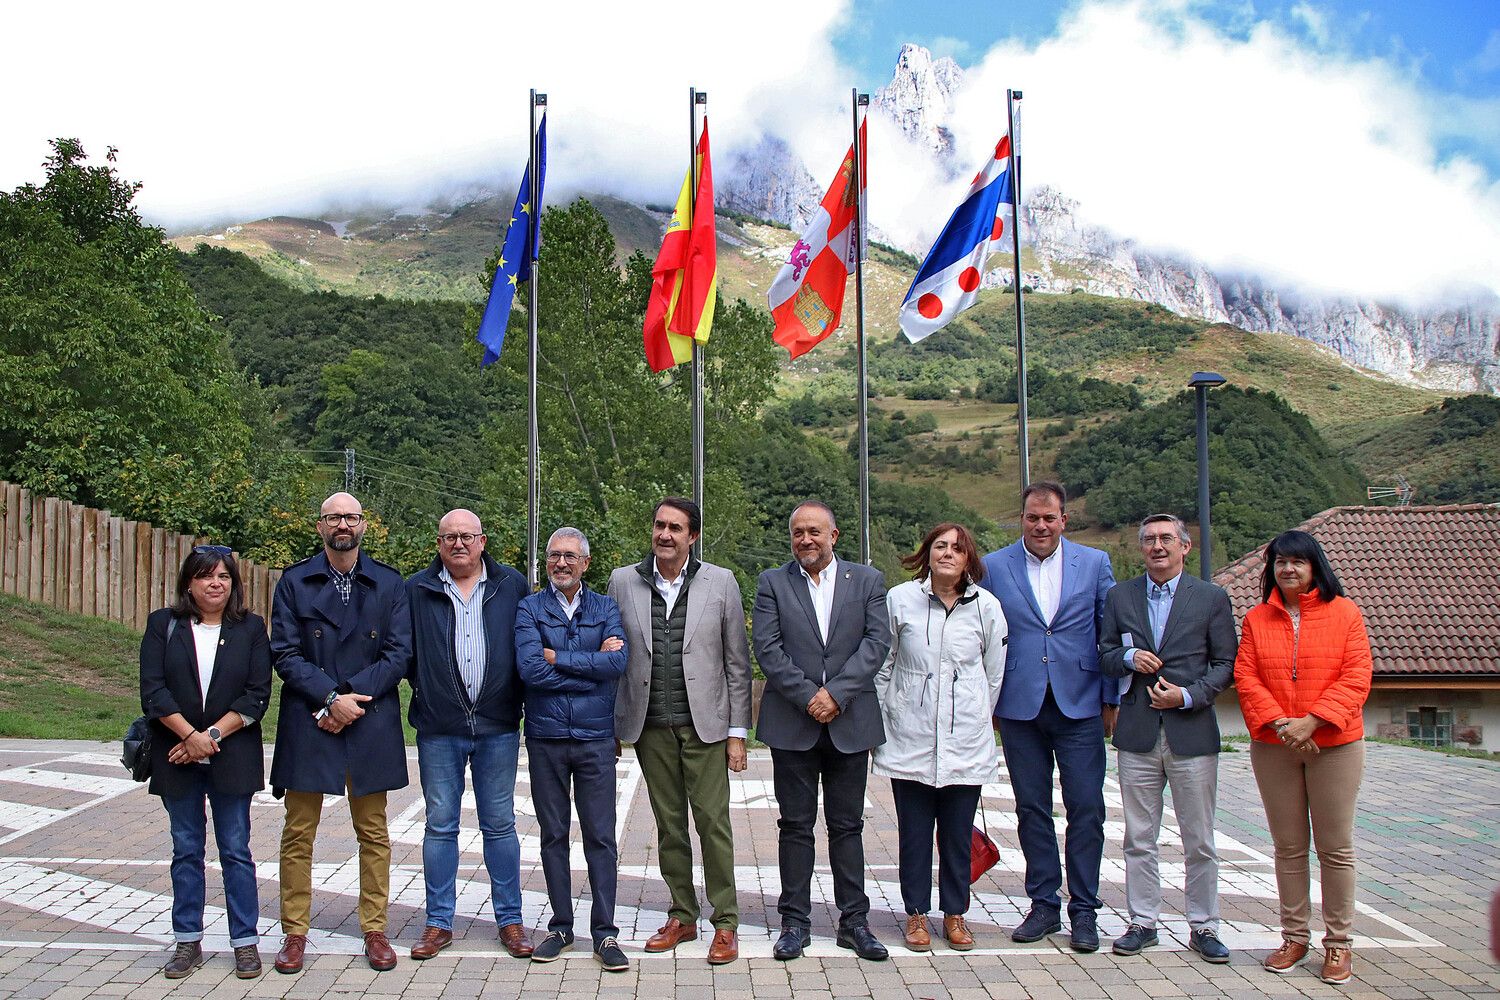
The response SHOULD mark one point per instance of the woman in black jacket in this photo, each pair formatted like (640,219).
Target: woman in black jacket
(205,682)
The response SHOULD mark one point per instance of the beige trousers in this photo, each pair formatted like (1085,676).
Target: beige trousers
(303,810)
(1316,792)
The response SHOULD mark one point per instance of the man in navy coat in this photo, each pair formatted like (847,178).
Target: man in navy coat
(341,641)
(1055,705)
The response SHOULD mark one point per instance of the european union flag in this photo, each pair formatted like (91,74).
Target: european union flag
(523,235)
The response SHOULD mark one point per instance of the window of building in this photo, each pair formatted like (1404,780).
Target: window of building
(1430,726)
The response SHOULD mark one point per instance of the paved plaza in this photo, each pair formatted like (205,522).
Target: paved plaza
(85,899)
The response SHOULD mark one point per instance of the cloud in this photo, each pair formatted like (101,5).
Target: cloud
(1488,59)
(1255,147)
(228,111)
(1256,153)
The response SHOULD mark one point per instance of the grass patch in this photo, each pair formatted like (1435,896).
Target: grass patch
(70,677)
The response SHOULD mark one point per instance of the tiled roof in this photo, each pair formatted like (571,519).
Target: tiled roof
(1426,578)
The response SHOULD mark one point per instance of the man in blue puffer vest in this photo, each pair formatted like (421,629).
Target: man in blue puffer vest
(570,651)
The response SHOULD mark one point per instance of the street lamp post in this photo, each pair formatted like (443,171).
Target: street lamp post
(1200,383)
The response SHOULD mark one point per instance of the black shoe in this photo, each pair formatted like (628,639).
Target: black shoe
(791,943)
(610,956)
(1038,924)
(1134,939)
(862,943)
(1085,932)
(552,946)
(1206,943)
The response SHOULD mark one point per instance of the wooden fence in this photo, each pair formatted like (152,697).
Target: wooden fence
(91,562)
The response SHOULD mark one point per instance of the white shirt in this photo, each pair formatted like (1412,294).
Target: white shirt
(206,643)
(668,589)
(820,589)
(570,608)
(1046,580)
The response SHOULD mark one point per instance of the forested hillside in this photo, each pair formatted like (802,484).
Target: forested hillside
(205,394)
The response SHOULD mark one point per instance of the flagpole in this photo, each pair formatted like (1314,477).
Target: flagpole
(1014,169)
(696,98)
(533,445)
(862,380)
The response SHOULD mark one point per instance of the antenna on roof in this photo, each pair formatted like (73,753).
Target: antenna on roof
(1402,491)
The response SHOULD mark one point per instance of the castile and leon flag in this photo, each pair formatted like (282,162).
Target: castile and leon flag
(807,297)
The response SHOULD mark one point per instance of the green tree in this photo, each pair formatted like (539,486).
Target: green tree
(120,393)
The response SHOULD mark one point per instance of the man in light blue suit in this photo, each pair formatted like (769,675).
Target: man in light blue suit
(1055,706)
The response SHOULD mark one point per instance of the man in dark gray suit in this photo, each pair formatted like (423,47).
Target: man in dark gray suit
(1170,637)
(820,633)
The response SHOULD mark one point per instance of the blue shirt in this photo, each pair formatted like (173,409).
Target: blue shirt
(468,630)
(1159,598)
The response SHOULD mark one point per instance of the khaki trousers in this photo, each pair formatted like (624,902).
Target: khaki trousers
(303,811)
(1316,792)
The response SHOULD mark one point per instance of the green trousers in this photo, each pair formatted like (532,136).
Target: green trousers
(683,772)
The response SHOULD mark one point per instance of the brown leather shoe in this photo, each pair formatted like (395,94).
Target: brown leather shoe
(378,951)
(957,932)
(187,957)
(672,934)
(917,938)
(517,942)
(725,947)
(1338,965)
(289,958)
(247,961)
(1285,959)
(433,940)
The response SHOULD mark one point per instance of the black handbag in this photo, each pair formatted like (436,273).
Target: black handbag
(137,755)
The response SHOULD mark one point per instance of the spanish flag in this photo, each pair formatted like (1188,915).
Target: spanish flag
(685,275)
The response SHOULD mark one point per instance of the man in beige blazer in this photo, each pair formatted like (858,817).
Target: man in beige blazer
(685,703)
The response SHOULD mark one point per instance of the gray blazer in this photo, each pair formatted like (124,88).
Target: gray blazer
(1197,652)
(795,659)
(715,651)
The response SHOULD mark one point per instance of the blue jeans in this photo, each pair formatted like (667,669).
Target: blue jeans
(441,761)
(189,825)
(1077,745)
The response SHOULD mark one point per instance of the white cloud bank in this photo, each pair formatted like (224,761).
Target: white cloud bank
(1256,153)
(234,111)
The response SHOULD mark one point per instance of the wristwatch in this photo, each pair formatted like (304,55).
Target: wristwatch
(215,735)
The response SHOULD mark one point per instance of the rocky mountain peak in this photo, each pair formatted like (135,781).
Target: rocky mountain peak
(919,98)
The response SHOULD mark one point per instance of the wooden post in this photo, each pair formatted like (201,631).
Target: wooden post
(26,515)
(127,572)
(114,578)
(75,558)
(38,516)
(88,544)
(10,536)
(50,561)
(143,573)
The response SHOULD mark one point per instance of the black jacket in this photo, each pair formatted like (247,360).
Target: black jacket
(440,704)
(241,683)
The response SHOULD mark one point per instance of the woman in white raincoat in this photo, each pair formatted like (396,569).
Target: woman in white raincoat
(937,690)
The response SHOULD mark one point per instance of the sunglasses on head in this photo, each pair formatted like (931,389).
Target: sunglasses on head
(213,550)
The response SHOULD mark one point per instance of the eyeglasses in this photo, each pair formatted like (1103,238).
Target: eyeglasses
(1153,540)
(467,537)
(212,550)
(566,558)
(332,520)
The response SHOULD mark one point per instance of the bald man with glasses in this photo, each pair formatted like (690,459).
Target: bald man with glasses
(466,709)
(341,641)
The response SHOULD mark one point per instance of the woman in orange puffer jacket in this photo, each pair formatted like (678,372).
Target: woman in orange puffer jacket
(1303,674)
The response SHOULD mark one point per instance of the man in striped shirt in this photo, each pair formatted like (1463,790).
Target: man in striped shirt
(466,709)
